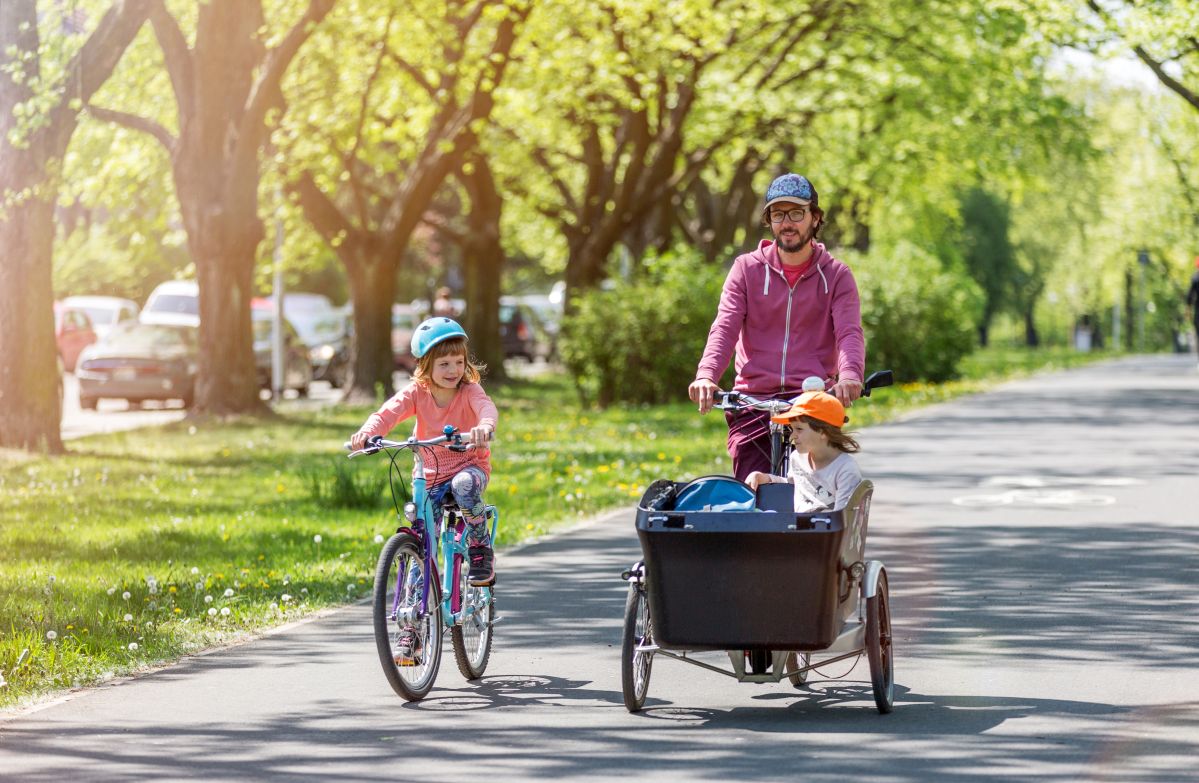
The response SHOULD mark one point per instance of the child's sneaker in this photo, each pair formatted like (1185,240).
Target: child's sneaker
(482,568)
(407,650)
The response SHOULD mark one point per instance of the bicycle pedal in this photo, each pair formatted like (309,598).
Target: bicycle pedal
(401,660)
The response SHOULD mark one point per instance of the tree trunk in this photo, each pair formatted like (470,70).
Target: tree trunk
(483,261)
(30,408)
(30,412)
(1031,338)
(372,290)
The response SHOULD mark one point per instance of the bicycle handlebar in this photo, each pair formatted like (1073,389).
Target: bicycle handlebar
(378,443)
(735,400)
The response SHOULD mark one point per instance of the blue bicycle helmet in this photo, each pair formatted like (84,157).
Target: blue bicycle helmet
(433,331)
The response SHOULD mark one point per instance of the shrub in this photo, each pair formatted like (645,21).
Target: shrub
(641,341)
(920,318)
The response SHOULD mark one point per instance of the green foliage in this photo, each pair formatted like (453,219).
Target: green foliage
(919,316)
(640,341)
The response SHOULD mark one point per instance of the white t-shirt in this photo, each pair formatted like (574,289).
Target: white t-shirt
(826,489)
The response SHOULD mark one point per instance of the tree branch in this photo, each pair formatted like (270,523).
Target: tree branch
(137,123)
(266,87)
(178,57)
(92,65)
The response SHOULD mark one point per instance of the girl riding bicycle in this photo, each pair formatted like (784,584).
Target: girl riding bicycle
(445,390)
(821,469)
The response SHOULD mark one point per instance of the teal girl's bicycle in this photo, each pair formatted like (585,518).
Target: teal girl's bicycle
(421,586)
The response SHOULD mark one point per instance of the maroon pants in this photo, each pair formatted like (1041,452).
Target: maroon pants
(749,441)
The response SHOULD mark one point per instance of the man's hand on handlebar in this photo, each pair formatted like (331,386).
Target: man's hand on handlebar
(847,391)
(703,391)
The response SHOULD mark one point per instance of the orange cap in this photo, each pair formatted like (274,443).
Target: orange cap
(817,404)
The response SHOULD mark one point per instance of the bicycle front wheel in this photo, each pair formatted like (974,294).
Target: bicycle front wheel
(408,639)
(471,638)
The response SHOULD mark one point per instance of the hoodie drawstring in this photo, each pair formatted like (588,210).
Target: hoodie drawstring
(822,277)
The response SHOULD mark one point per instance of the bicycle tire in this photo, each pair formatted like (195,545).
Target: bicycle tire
(471,640)
(411,682)
(879,651)
(635,667)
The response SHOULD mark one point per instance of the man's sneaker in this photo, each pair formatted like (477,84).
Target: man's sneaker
(482,568)
(407,648)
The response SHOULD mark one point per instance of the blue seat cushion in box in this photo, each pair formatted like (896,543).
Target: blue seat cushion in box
(715,493)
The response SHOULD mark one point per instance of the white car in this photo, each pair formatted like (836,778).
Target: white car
(175,302)
(105,311)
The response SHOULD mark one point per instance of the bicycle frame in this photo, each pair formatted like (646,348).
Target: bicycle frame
(444,539)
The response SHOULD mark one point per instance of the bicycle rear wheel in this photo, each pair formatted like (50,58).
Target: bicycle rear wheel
(399,581)
(472,638)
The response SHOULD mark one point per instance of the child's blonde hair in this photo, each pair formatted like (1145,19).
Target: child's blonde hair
(455,346)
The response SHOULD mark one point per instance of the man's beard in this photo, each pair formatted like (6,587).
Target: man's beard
(794,246)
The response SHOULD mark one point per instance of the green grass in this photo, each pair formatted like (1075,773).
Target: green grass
(136,548)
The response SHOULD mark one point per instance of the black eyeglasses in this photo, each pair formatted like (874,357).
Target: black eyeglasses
(794,215)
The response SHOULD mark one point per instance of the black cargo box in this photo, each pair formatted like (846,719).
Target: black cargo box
(721,580)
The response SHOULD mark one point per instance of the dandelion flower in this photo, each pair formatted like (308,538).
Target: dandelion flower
(51,635)
(285,598)
(212,612)
(224,611)
(208,599)
(274,607)
(128,618)
(52,578)
(228,592)
(195,570)
(133,646)
(304,591)
(126,595)
(153,588)
(111,590)
(379,538)
(349,588)
(317,538)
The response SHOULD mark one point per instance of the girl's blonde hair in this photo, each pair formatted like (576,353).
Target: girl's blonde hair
(837,438)
(455,346)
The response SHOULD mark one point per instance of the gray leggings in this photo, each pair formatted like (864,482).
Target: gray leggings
(467,486)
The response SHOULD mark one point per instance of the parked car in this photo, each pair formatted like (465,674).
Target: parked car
(173,302)
(105,311)
(404,320)
(72,333)
(297,370)
(549,317)
(137,362)
(521,332)
(322,328)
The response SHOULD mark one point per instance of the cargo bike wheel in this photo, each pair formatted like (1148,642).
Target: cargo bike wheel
(635,665)
(879,651)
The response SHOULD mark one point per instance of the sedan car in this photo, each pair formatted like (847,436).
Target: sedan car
(104,311)
(137,362)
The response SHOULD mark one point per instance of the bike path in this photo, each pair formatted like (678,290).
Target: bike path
(1041,541)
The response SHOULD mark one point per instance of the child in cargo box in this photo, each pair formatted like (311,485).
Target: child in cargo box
(823,473)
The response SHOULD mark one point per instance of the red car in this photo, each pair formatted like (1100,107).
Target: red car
(72,332)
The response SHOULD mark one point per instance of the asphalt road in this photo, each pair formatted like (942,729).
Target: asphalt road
(1041,541)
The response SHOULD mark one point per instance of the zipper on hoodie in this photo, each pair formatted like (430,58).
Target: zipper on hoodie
(786,328)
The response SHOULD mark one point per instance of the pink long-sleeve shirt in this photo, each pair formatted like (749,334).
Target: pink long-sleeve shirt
(781,335)
(469,407)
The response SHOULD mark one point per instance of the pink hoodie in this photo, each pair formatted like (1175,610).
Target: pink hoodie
(783,335)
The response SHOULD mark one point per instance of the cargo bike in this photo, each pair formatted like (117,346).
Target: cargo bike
(729,569)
